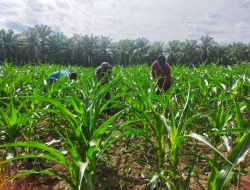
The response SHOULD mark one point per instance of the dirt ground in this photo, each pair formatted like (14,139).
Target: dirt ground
(121,174)
(127,167)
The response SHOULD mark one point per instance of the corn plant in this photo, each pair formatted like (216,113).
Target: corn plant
(85,139)
(220,177)
(12,121)
(219,119)
(208,100)
(167,138)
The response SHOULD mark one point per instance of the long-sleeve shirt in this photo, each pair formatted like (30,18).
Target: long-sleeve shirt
(55,75)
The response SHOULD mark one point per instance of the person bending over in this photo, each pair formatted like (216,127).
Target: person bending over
(103,74)
(62,73)
(161,70)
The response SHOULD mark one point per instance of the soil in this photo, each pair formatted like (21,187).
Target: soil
(122,169)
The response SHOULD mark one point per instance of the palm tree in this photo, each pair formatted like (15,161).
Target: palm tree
(125,48)
(68,45)
(79,50)
(205,50)
(57,45)
(104,44)
(238,52)
(172,49)
(141,48)
(188,52)
(90,45)
(43,34)
(9,42)
(221,54)
(155,50)
(31,43)
(248,52)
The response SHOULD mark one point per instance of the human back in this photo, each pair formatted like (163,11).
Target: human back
(103,72)
(161,70)
(62,73)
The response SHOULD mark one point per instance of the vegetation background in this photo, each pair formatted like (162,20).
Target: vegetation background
(41,44)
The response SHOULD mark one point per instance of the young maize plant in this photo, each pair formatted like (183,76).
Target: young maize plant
(220,177)
(206,102)
(85,139)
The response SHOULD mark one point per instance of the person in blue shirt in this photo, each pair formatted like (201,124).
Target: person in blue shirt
(62,73)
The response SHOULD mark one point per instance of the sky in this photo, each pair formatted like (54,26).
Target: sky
(227,21)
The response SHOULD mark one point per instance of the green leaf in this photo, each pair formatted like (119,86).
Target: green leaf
(236,156)
(239,116)
(213,176)
(204,140)
(13,114)
(102,129)
(61,159)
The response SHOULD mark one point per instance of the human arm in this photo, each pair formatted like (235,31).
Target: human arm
(153,73)
(98,73)
(167,77)
(153,70)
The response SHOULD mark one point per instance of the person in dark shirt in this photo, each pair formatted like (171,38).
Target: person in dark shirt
(62,73)
(103,75)
(162,70)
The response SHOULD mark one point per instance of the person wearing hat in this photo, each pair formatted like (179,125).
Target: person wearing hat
(161,70)
(62,73)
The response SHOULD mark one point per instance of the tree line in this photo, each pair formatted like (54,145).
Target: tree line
(40,44)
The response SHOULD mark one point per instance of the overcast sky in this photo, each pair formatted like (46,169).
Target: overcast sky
(158,20)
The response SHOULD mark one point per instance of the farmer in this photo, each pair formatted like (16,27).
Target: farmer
(103,74)
(62,73)
(161,70)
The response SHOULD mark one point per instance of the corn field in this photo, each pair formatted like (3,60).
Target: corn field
(194,136)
